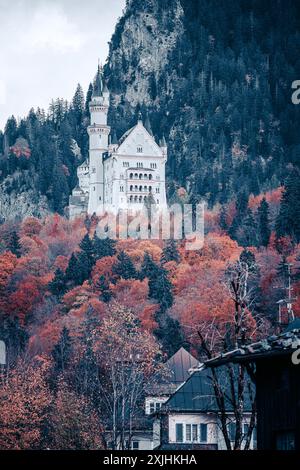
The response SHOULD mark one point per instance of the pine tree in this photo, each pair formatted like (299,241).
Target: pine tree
(149,268)
(14,244)
(87,246)
(288,220)
(264,223)
(103,247)
(79,268)
(105,292)
(124,267)
(161,290)
(58,284)
(170,335)
(170,252)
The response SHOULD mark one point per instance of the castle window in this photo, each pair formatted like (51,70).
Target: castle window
(126,164)
(140,176)
(122,189)
(150,189)
(150,177)
(136,176)
(135,188)
(139,164)
(145,188)
(131,199)
(139,150)
(140,199)
(131,188)
(153,165)
(141,188)
(131,176)
(145,176)
(135,198)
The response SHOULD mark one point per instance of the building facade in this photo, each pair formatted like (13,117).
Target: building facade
(128,173)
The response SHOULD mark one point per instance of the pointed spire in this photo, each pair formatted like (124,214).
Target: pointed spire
(114,138)
(148,125)
(140,117)
(98,82)
(163,142)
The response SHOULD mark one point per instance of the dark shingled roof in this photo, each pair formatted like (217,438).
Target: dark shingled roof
(275,345)
(176,371)
(197,393)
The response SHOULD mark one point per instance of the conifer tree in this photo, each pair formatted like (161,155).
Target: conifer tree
(161,289)
(170,252)
(124,267)
(14,244)
(149,268)
(87,246)
(103,247)
(103,286)
(288,220)
(58,284)
(264,223)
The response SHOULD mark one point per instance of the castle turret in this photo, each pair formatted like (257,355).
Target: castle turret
(98,143)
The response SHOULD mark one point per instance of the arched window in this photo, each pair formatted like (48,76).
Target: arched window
(135,198)
(141,188)
(150,189)
(145,188)
(140,199)
(135,188)
(140,176)
(145,176)
(131,188)
(131,176)
(131,199)
(136,176)
(150,177)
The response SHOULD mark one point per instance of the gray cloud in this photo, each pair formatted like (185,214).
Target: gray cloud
(48,46)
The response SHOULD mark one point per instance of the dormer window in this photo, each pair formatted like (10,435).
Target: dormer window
(139,149)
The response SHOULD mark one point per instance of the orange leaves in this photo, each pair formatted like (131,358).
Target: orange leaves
(103,267)
(24,398)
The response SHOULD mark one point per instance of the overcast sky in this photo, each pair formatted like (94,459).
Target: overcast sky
(48,46)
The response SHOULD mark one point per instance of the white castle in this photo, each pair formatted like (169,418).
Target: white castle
(120,174)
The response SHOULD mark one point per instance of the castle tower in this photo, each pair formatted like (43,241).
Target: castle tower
(98,131)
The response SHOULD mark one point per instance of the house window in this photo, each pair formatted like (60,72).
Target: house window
(188,432)
(121,189)
(140,165)
(232,431)
(126,164)
(153,165)
(151,407)
(179,432)
(203,432)
(157,406)
(194,432)
(135,445)
(131,176)
(285,440)
(139,150)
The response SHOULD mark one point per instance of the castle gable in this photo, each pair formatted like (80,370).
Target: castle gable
(139,141)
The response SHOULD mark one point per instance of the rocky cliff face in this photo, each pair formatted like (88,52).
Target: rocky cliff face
(19,198)
(215,78)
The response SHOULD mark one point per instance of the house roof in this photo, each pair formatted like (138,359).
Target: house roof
(176,371)
(180,364)
(197,393)
(275,345)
